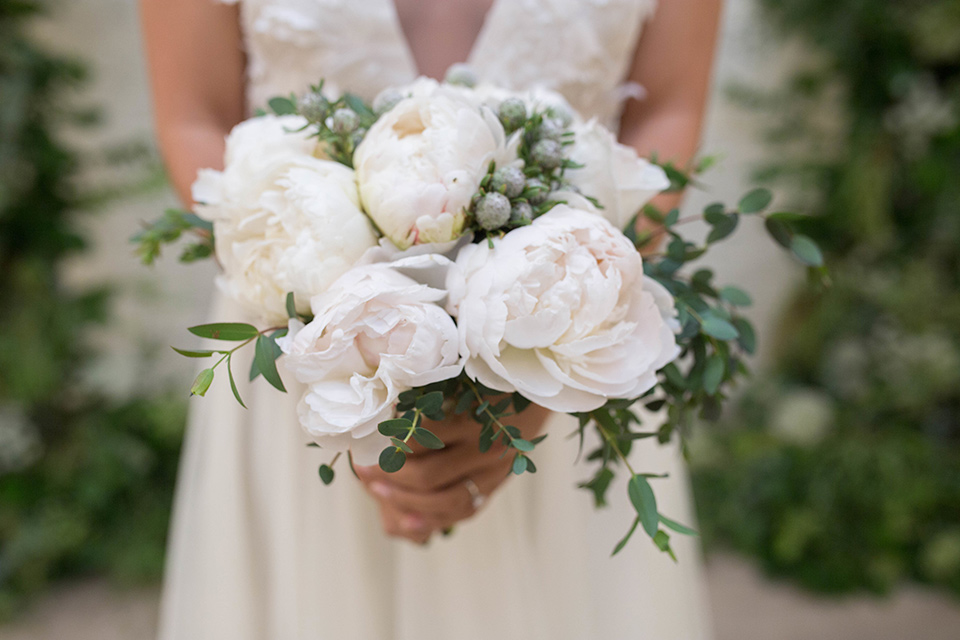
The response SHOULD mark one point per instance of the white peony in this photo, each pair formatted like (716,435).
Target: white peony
(421,163)
(560,311)
(283,219)
(613,173)
(376,333)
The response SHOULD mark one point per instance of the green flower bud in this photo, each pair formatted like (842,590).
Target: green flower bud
(521,213)
(539,191)
(386,100)
(493,211)
(513,113)
(550,129)
(344,121)
(561,114)
(461,74)
(509,181)
(313,106)
(548,154)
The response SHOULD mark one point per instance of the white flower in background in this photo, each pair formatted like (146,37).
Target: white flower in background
(613,173)
(421,163)
(561,312)
(803,417)
(283,219)
(376,333)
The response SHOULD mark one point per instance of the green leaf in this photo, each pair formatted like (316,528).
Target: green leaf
(747,338)
(723,227)
(430,402)
(519,464)
(713,374)
(807,251)
(254,370)
(326,473)
(234,331)
(392,459)
(620,545)
(265,356)
(672,218)
(282,106)
(522,445)
(401,445)
(233,384)
(645,503)
(779,231)
(395,427)
(202,383)
(756,201)
(358,105)
(736,296)
(676,526)
(662,540)
(719,328)
(599,485)
(291,306)
(203,353)
(426,438)
(520,403)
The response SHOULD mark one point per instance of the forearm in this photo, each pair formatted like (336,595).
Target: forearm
(189,146)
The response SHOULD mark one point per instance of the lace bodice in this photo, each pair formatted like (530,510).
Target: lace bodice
(581,48)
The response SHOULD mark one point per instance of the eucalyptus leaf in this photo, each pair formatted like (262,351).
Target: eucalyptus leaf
(392,459)
(326,473)
(756,201)
(644,502)
(676,526)
(427,438)
(736,296)
(232,331)
(620,545)
(522,445)
(719,328)
(519,464)
(266,355)
(395,427)
(203,353)
(807,251)
(282,106)
(233,383)
(291,306)
(713,374)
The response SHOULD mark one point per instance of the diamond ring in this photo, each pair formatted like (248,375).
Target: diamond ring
(476,498)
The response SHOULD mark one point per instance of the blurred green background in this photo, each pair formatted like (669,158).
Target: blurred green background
(839,467)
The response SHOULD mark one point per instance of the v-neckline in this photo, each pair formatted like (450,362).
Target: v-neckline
(405,40)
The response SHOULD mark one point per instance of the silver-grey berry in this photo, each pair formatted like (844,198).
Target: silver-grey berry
(313,106)
(513,113)
(493,211)
(521,213)
(509,181)
(538,191)
(561,114)
(550,129)
(548,154)
(461,74)
(344,121)
(386,100)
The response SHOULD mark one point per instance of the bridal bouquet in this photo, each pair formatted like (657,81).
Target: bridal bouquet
(465,249)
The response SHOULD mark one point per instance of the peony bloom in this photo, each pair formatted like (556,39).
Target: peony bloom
(560,311)
(283,219)
(421,163)
(613,174)
(376,333)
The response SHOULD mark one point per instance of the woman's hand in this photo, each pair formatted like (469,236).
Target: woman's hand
(438,488)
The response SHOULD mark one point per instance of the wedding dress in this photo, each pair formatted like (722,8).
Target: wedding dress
(260,549)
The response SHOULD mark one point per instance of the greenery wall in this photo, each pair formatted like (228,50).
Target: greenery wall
(85,481)
(842,469)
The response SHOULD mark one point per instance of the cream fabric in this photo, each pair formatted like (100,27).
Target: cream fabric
(260,549)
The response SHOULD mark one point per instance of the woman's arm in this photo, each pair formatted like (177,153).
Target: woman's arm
(196,64)
(673,62)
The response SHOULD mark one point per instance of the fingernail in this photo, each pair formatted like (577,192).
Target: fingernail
(380,489)
(411,523)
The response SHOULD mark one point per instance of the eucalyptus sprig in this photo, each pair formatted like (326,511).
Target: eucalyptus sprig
(168,229)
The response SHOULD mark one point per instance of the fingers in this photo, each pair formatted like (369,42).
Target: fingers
(397,524)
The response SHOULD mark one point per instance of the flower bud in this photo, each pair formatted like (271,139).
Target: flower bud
(561,114)
(313,106)
(493,211)
(509,181)
(513,113)
(386,100)
(548,154)
(461,74)
(521,213)
(539,190)
(344,121)
(357,137)
(550,129)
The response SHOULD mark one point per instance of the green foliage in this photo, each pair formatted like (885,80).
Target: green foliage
(846,474)
(85,482)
